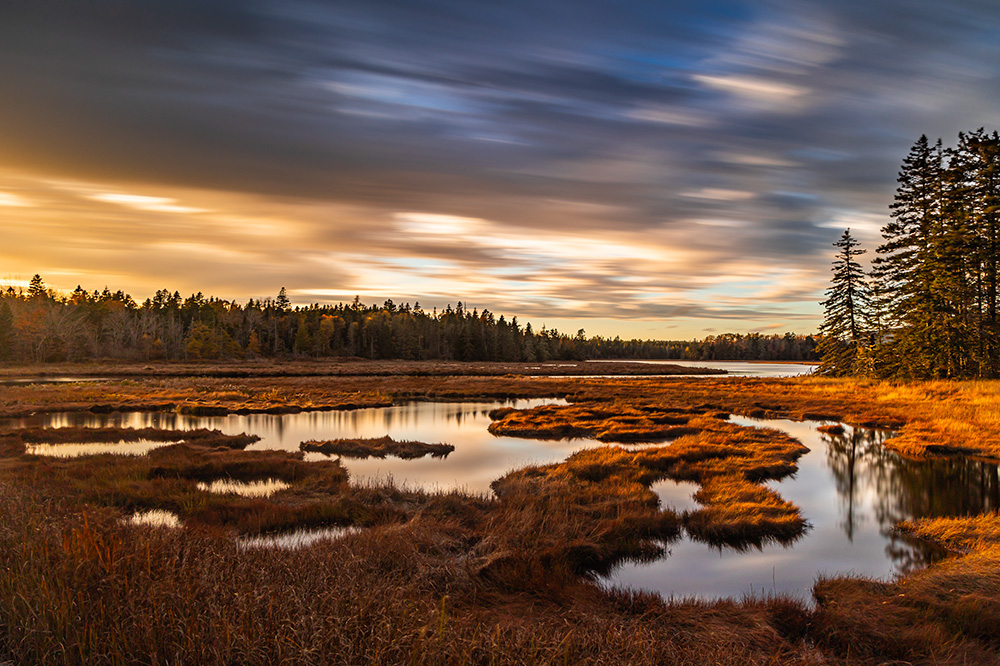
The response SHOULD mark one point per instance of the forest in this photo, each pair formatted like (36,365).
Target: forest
(928,306)
(38,324)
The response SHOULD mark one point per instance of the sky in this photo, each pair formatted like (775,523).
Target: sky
(662,169)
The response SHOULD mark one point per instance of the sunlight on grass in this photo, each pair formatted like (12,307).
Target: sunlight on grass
(264,488)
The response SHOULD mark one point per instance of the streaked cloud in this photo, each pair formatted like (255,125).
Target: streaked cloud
(144,203)
(13,200)
(675,164)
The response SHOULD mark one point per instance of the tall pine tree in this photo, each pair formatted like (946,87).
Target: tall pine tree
(974,212)
(905,269)
(845,319)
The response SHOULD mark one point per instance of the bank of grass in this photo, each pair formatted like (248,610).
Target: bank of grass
(604,421)
(90,590)
(377,447)
(946,614)
(932,417)
(727,460)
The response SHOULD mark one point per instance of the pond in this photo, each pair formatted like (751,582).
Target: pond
(479,457)
(850,488)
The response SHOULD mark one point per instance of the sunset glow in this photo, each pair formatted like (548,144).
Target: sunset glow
(647,170)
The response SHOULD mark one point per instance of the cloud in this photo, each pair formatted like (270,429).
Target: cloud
(638,160)
(13,200)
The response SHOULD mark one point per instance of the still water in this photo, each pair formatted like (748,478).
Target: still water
(849,487)
(740,368)
(479,457)
(852,490)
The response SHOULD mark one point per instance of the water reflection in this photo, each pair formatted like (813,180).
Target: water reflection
(853,491)
(903,489)
(478,459)
(72,450)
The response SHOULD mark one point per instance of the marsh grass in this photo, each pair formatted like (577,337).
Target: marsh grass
(447,578)
(606,422)
(378,447)
(89,590)
(728,461)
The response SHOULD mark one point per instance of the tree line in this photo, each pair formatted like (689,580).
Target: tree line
(38,324)
(928,307)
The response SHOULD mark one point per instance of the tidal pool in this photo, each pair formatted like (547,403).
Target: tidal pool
(297,538)
(852,491)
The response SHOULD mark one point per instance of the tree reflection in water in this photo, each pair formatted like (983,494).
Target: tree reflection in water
(899,488)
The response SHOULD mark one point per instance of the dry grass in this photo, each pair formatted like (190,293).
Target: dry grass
(963,534)
(604,421)
(90,590)
(727,460)
(449,578)
(932,417)
(379,447)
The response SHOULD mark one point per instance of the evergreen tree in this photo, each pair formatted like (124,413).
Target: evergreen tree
(906,266)
(845,312)
(282,302)
(36,288)
(6,330)
(974,212)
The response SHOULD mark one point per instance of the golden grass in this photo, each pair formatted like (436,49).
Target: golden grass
(604,421)
(377,447)
(932,417)
(449,578)
(727,460)
(90,590)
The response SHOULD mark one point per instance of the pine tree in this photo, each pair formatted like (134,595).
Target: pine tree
(907,263)
(282,301)
(36,288)
(6,330)
(974,208)
(845,318)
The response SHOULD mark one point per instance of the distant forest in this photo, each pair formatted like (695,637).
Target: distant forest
(40,325)
(929,306)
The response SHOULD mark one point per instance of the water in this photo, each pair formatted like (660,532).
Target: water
(676,495)
(72,450)
(849,487)
(15,381)
(479,457)
(734,368)
(852,490)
